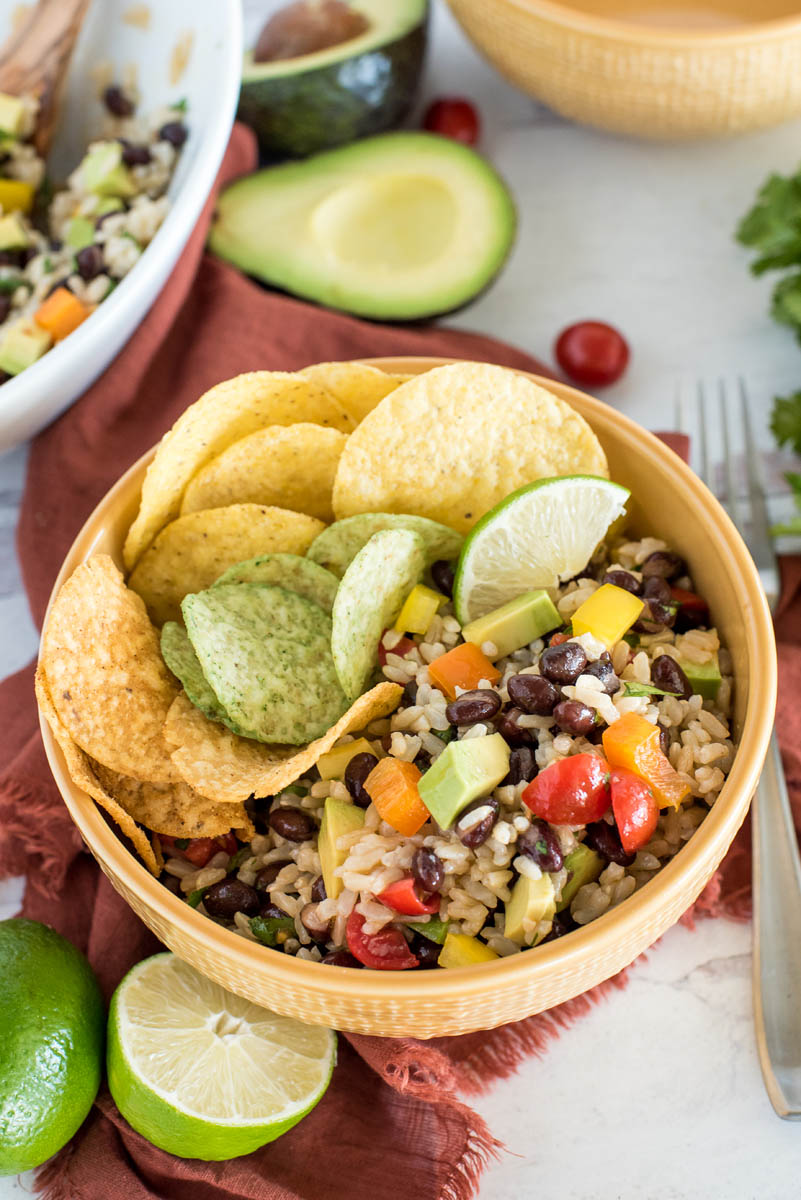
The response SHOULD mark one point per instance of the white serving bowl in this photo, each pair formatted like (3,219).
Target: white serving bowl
(210,84)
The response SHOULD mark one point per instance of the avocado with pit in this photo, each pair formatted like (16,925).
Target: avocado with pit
(339,818)
(22,345)
(532,900)
(584,866)
(105,173)
(395,227)
(362,85)
(515,624)
(13,234)
(464,771)
(703,678)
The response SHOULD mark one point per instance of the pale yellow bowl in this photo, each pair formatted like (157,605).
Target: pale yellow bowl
(671,502)
(654,68)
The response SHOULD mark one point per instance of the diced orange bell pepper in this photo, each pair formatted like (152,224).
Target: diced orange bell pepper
(61,313)
(392,787)
(464,666)
(633,743)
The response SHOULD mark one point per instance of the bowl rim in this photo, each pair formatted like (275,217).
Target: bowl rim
(673,37)
(554,958)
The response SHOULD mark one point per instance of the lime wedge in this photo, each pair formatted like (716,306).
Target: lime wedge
(540,535)
(204,1074)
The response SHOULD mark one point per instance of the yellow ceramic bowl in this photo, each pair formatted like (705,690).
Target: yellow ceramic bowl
(671,502)
(654,68)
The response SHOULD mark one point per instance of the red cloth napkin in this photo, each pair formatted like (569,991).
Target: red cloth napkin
(391,1123)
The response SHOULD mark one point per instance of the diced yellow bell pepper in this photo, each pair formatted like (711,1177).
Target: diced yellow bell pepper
(16,196)
(419,609)
(332,765)
(607,614)
(461,950)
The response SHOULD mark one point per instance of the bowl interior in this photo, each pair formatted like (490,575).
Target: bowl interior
(701,15)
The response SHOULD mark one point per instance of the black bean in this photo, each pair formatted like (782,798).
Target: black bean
(425,951)
(533,693)
(522,765)
(422,760)
(59,283)
(89,262)
(663,563)
(292,823)
(427,870)
(471,707)
(605,839)
(623,579)
(117,102)
(509,729)
(231,896)
(10,258)
(171,884)
(657,588)
(574,717)
(5,376)
(318,891)
(314,923)
(341,958)
(477,834)
(602,669)
(134,155)
(563,663)
(269,874)
(356,773)
(541,845)
(271,910)
(442,575)
(664,739)
(656,617)
(174,132)
(5,307)
(668,675)
(410,692)
(562,923)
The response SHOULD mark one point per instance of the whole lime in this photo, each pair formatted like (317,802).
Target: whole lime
(52,1027)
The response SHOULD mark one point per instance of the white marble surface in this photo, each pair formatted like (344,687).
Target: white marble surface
(657,1093)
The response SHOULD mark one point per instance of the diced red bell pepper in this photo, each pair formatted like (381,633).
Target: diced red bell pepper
(401,648)
(693,605)
(199,850)
(386,950)
(635,808)
(558,638)
(571,791)
(404,897)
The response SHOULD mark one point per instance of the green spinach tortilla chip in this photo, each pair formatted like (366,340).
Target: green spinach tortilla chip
(289,571)
(179,655)
(337,546)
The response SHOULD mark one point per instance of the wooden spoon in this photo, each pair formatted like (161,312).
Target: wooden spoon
(34,60)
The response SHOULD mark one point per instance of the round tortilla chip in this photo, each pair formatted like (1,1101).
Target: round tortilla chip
(179,655)
(357,386)
(192,552)
(288,465)
(224,415)
(290,571)
(337,546)
(228,768)
(175,808)
(106,675)
(452,443)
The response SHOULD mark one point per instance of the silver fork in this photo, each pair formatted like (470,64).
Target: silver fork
(776,978)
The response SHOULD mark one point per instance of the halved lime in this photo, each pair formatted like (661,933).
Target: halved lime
(204,1074)
(540,535)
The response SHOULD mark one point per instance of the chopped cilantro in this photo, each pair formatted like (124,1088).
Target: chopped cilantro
(194,898)
(181,843)
(445,735)
(643,689)
(267,930)
(434,929)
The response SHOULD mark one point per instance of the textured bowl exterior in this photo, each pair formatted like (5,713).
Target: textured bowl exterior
(671,499)
(637,79)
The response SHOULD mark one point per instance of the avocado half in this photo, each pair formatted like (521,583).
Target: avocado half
(299,106)
(395,228)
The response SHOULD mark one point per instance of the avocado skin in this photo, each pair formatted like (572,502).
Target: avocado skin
(294,116)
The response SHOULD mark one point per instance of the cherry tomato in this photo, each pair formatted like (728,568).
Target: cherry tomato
(401,648)
(691,603)
(386,950)
(199,850)
(404,897)
(592,353)
(453,117)
(571,791)
(635,808)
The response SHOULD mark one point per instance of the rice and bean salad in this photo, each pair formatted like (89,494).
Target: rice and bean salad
(63,251)
(553,702)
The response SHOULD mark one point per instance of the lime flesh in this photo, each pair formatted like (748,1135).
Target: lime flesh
(203,1073)
(540,535)
(51,1043)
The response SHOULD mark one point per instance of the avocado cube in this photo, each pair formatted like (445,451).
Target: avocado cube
(464,771)
(22,345)
(515,624)
(461,950)
(339,818)
(13,234)
(332,765)
(532,900)
(585,866)
(80,232)
(12,114)
(105,173)
(109,204)
(703,678)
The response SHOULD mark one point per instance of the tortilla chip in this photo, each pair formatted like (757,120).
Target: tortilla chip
(289,571)
(337,546)
(224,415)
(175,809)
(289,465)
(229,769)
(106,675)
(454,442)
(83,777)
(192,552)
(179,655)
(357,386)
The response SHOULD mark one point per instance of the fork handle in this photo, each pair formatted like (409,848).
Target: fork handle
(777,939)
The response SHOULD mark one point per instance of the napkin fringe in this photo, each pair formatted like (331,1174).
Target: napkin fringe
(52,1178)
(480,1147)
(33,834)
